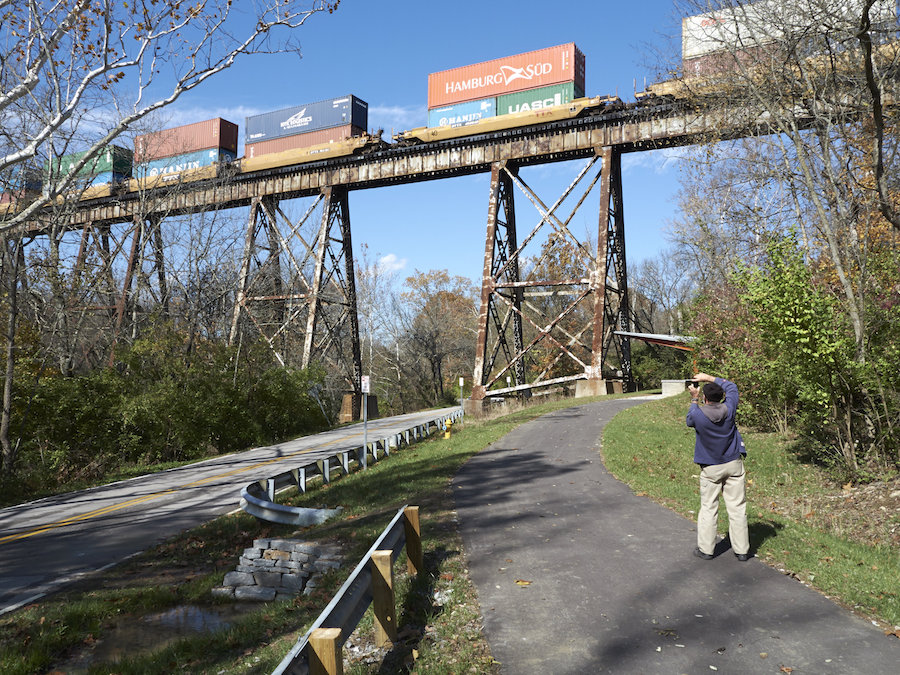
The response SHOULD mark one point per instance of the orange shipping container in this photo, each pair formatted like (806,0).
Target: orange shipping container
(214,133)
(301,140)
(540,68)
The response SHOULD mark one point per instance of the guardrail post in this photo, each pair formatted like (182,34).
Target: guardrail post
(300,478)
(383,598)
(325,657)
(268,484)
(345,463)
(325,469)
(387,447)
(415,563)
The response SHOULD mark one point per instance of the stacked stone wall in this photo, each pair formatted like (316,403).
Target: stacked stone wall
(279,569)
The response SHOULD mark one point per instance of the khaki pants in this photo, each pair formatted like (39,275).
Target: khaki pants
(726,480)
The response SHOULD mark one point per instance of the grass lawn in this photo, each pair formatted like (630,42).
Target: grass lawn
(793,509)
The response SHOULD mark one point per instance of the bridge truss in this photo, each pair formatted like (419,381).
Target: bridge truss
(540,324)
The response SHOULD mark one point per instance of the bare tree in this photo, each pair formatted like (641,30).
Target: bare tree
(662,288)
(75,76)
(89,70)
(813,76)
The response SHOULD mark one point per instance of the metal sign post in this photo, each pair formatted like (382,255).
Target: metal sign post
(461,382)
(364,382)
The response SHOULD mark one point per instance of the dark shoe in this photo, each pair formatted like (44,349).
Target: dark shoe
(743,557)
(701,554)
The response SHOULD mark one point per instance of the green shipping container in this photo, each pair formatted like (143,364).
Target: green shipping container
(113,159)
(535,99)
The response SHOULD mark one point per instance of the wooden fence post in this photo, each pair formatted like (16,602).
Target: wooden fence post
(383,598)
(325,657)
(414,561)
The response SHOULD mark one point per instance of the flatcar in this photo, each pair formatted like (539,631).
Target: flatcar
(571,110)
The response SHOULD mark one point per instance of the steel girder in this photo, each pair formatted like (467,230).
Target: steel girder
(616,306)
(297,292)
(556,324)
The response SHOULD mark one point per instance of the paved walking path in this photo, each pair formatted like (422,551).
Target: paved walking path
(614,587)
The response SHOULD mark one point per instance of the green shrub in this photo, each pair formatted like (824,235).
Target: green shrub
(170,399)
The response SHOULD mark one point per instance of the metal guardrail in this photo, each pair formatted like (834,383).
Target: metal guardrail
(258,497)
(319,650)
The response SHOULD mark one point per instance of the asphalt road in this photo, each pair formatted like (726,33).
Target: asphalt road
(47,543)
(576,574)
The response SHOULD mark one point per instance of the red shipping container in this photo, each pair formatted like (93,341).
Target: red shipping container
(214,133)
(540,68)
(301,140)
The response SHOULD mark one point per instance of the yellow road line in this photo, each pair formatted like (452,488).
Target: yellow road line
(138,500)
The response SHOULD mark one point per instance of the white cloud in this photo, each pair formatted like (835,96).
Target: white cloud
(391,263)
(395,118)
(658,161)
(177,116)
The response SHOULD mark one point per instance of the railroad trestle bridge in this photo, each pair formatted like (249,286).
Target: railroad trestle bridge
(322,305)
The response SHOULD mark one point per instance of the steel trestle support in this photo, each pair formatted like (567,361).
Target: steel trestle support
(556,325)
(299,293)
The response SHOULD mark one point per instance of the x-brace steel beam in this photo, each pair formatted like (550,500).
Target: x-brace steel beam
(523,327)
(299,292)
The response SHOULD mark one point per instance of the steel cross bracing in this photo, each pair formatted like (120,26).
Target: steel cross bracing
(557,322)
(93,285)
(299,292)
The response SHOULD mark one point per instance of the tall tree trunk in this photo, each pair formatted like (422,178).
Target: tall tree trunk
(8,449)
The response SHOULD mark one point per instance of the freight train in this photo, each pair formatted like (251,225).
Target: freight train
(519,91)
(362,142)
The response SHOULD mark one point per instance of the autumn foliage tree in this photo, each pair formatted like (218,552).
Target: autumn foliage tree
(806,208)
(441,330)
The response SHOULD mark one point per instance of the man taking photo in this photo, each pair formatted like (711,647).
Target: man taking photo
(719,452)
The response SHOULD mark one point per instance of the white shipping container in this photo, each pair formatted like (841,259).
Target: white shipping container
(754,24)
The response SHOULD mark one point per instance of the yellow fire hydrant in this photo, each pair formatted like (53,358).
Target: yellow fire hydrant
(447,429)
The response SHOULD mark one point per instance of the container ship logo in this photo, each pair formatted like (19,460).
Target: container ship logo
(525,72)
(296,120)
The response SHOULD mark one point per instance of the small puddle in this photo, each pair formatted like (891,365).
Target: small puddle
(153,632)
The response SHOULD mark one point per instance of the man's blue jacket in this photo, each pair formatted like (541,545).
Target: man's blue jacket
(718,439)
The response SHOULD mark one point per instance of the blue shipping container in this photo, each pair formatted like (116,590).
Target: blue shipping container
(20,177)
(185,162)
(461,114)
(310,117)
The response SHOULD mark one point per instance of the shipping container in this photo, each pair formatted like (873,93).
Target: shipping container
(302,140)
(112,159)
(748,26)
(184,162)
(214,133)
(11,196)
(462,114)
(337,112)
(716,63)
(536,99)
(540,68)
(21,179)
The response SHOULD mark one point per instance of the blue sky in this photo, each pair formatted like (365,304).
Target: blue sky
(383,52)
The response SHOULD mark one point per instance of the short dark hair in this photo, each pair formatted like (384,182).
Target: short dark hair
(713,392)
